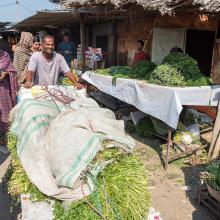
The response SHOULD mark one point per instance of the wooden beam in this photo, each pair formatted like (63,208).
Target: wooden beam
(82,39)
(214,149)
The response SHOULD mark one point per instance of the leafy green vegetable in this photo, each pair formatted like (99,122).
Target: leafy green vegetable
(184,64)
(200,81)
(166,75)
(177,69)
(214,173)
(142,69)
(145,127)
(130,127)
(121,189)
(138,71)
(121,192)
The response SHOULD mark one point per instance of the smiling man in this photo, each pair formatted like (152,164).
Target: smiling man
(45,67)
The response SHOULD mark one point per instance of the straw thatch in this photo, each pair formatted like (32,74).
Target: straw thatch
(164,6)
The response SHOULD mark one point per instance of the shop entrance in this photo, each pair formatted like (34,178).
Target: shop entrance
(199,45)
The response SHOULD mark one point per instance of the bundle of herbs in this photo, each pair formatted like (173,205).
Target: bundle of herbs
(213,178)
(120,189)
(179,70)
(140,71)
(145,127)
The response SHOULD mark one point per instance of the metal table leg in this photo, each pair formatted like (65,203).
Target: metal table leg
(168,148)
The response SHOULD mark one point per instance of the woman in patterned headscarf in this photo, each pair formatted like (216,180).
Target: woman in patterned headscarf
(22,54)
(8,89)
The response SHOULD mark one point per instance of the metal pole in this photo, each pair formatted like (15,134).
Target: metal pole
(18,10)
(168,149)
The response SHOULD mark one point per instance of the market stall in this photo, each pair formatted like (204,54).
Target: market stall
(164,103)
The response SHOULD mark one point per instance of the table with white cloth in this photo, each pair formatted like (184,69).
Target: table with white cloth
(164,103)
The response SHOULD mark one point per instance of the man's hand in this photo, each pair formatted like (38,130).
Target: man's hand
(3,75)
(27,85)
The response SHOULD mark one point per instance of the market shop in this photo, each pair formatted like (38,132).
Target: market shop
(192,27)
(94,28)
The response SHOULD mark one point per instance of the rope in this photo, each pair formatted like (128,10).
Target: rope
(107,198)
(151,32)
(90,205)
(57,95)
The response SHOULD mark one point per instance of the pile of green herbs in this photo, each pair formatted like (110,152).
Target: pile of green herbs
(213,171)
(120,193)
(179,70)
(176,70)
(139,71)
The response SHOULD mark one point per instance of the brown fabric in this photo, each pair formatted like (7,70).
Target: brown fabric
(22,54)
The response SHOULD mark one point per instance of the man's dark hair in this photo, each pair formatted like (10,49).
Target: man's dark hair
(176,50)
(141,42)
(47,36)
(36,39)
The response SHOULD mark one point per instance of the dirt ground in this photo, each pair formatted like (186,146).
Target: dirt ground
(173,192)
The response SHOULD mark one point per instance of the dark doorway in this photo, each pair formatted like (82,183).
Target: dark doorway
(102,42)
(199,45)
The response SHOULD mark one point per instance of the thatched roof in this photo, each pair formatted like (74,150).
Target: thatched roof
(164,6)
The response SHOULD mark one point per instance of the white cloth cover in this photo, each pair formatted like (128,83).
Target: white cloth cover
(164,103)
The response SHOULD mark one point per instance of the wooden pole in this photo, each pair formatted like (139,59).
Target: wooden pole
(82,39)
(215,142)
(115,48)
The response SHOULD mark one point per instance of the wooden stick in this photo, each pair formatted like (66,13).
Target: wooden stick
(215,142)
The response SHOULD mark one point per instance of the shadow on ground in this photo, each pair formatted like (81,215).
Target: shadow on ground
(8,210)
(192,179)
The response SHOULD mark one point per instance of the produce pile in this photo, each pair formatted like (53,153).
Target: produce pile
(213,178)
(145,127)
(121,188)
(139,71)
(177,69)
(67,82)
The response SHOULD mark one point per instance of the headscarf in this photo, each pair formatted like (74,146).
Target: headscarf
(26,40)
(6,65)
(23,53)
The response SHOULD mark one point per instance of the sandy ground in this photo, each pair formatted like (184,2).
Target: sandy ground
(173,192)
